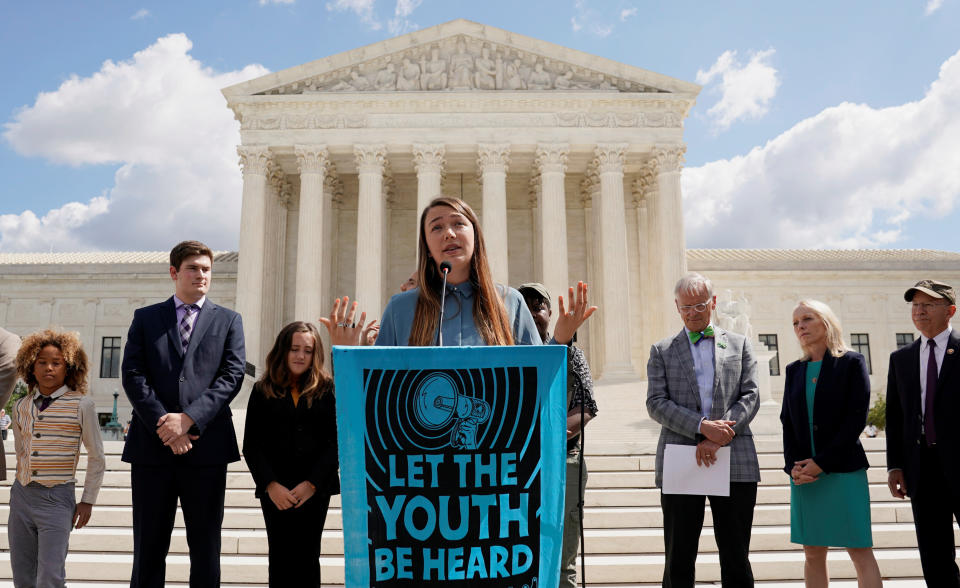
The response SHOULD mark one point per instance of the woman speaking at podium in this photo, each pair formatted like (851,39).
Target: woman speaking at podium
(476,311)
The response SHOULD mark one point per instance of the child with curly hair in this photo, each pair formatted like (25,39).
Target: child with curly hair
(49,423)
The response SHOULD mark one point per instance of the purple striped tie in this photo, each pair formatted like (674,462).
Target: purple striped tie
(928,425)
(186,325)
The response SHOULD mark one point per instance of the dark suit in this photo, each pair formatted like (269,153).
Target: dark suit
(9,345)
(840,406)
(289,444)
(159,377)
(931,474)
(673,400)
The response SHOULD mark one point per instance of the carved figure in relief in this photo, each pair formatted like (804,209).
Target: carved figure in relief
(511,75)
(485,78)
(409,76)
(357,82)
(564,82)
(434,75)
(387,78)
(539,79)
(461,68)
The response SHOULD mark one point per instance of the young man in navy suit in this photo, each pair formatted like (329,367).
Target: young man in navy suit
(182,365)
(923,399)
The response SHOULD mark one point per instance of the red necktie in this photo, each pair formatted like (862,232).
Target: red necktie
(928,424)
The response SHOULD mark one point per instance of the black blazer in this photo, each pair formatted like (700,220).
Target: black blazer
(905,418)
(158,377)
(840,404)
(289,444)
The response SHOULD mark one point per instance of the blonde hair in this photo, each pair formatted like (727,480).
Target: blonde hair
(68,343)
(835,343)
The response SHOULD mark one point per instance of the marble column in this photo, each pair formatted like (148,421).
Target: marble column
(255,161)
(666,219)
(492,163)
(333,189)
(428,161)
(275,235)
(313,162)
(592,227)
(641,188)
(614,296)
(551,162)
(371,160)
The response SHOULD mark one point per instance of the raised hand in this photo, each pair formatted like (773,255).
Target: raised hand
(342,325)
(569,321)
(370,332)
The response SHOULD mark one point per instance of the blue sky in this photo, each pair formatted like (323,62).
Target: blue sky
(820,124)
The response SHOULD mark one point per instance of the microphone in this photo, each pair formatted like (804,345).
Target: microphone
(445,268)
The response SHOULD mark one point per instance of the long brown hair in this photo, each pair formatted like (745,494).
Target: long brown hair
(489,314)
(314,383)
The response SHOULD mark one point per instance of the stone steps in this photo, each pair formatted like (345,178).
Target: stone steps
(624,540)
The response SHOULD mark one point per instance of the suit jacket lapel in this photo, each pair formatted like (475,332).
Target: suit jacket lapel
(681,346)
(825,375)
(204,320)
(718,408)
(913,373)
(172,328)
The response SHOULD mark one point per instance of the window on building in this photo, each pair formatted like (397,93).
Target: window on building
(861,344)
(110,358)
(904,339)
(771,342)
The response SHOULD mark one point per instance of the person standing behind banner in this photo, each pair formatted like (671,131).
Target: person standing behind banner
(825,401)
(49,424)
(182,365)
(702,389)
(580,403)
(923,401)
(9,344)
(290,445)
(477,311)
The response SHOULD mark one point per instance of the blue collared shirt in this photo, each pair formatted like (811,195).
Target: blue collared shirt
(459,328)
(703,366)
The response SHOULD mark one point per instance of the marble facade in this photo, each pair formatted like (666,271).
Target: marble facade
(572,162)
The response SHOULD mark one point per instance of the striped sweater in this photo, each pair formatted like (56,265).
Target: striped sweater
(48,442)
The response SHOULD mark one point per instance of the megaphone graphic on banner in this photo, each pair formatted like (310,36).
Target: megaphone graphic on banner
(438,403)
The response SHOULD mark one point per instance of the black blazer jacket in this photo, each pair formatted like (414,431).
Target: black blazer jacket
(905,419)
(840,404)
(159,377)
(290,443)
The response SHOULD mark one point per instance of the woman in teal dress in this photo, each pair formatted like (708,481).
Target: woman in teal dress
(825,401)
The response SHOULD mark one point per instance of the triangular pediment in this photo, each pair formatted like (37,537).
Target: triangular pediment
(461,56)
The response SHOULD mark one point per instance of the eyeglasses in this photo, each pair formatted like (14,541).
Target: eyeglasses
(702,306)
(926,306)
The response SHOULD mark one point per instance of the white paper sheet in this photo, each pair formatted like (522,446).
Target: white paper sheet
(682,475)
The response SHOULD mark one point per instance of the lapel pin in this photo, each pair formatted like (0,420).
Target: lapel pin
(723,344)
(950,351)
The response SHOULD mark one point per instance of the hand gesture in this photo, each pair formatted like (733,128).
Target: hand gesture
(720,432)
(281,497)
(569,321)
(707,453)
(81,514)
(302,492)
(897,484)
(805,471)
(173,425)
(369,335)
(342,324)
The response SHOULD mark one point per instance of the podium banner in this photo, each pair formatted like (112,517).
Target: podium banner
(452,464)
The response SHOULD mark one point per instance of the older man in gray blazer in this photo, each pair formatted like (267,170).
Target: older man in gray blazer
(9,345)
(702,389)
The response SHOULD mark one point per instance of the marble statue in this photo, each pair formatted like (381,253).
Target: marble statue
(485,78)
(386,78)
(461,69)
(733,313)
(409,78)
(434,76)
(539,79)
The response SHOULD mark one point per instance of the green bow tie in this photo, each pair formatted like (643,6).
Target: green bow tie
(695,336)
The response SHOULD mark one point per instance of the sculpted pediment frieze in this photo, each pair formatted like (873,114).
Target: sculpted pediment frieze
(463,63)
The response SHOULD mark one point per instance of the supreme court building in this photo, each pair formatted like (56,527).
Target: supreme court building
(572,162)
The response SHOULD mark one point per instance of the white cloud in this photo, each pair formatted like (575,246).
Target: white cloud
(140,14)
(265,2)
(160,117)
(400,22)
(847,177)
(362,8)
(745,90)
(591,19)
(627,13)
(932,6)
(575,24)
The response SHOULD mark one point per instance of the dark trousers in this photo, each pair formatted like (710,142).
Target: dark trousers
(732,523)
(935,505)
(155,490)
(293,537)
